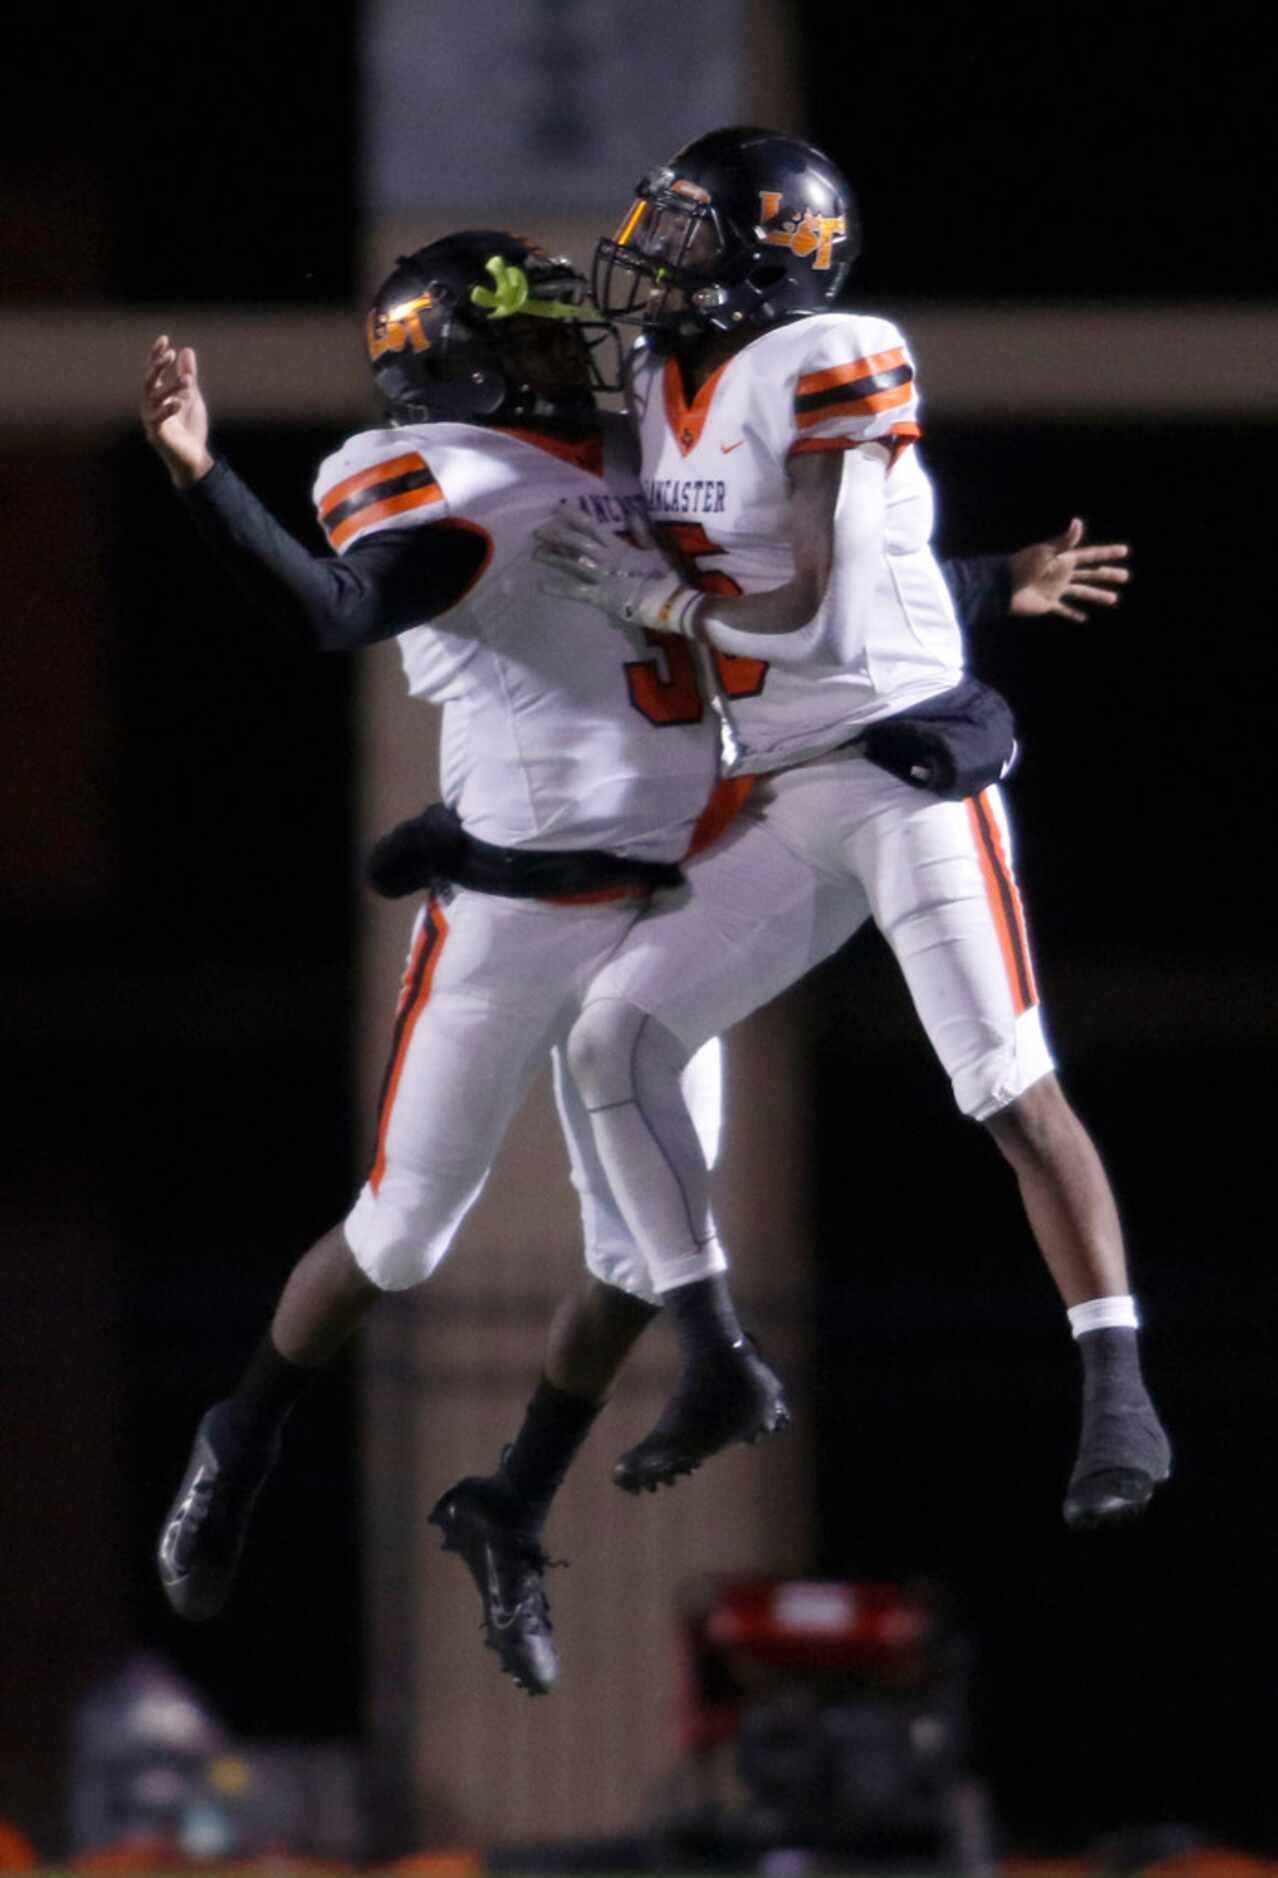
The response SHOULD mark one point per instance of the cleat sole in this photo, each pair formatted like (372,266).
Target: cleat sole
(1120,1503)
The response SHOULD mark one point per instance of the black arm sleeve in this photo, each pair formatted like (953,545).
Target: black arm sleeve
(981,588)
(395,579)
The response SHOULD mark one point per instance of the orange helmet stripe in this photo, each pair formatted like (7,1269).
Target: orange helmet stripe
(631,222)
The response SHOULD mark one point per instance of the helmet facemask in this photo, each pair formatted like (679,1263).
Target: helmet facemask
(666,258)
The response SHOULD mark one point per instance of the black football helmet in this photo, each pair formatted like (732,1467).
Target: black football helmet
(741,228)
(483,327)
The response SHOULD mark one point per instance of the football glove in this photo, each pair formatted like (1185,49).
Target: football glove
(633,586)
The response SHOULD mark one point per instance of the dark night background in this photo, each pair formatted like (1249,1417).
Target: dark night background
(179,1003)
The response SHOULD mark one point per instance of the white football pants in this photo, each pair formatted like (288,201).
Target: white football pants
(491,985)
(816,851)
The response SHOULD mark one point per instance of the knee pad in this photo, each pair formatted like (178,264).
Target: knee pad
(399,1234)
(614,1047)
(993,1077)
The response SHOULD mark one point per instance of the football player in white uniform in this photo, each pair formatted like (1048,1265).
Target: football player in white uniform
(574,777)
(779,466)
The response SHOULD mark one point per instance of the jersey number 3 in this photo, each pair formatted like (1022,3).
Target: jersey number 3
(672,695)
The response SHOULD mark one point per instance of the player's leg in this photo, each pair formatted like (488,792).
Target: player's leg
(1123,1451)
(755,918)
(941,881)
(325,1298)
(480,1001)
(238,1440)
(496,1520)
(597,1323)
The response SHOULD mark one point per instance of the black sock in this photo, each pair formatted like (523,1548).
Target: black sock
(250,1420)
(555,1425)
(704,1315)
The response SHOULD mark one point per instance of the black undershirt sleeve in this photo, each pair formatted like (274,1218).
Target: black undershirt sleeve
(981,588)
(395,579)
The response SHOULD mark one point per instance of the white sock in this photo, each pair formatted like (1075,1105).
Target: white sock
(1103,1314)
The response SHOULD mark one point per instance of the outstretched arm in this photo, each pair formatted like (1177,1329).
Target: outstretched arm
(1045,577)
(396,579)
(175,417)
(980,586)
(1056,576)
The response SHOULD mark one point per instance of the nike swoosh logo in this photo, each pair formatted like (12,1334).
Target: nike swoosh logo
(728,448)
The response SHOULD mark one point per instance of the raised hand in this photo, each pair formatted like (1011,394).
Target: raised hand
(174,415)
(1048,576)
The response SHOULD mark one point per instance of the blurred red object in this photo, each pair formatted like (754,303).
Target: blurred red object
(16,1851)
(822,1625)
(744,1632)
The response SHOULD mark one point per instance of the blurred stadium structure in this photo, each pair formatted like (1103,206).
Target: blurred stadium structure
(443,1378)
(830,1718)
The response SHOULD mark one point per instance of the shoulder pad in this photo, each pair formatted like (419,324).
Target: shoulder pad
(855,379)
(378,479)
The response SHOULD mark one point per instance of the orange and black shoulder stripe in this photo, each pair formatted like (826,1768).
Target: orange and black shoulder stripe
(394,487)
(878,382)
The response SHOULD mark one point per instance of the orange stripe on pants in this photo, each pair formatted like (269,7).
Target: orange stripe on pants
(1004,902)
(418,978)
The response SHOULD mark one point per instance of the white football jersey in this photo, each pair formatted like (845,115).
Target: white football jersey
(557,733)
(715,484)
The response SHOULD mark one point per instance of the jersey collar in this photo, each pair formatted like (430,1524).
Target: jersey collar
(584,453)
(688,420)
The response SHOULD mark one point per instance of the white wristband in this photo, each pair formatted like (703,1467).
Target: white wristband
(663,603)
(680,613)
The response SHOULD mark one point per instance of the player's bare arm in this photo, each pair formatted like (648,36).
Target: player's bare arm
(1062,576)
(637,586)
(816,482)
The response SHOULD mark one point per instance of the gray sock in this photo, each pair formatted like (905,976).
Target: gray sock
(1121,1429)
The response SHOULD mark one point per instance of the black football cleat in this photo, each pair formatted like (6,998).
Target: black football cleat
(203,1536)
(508,1567)
(725,1396)
(1124,1456)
